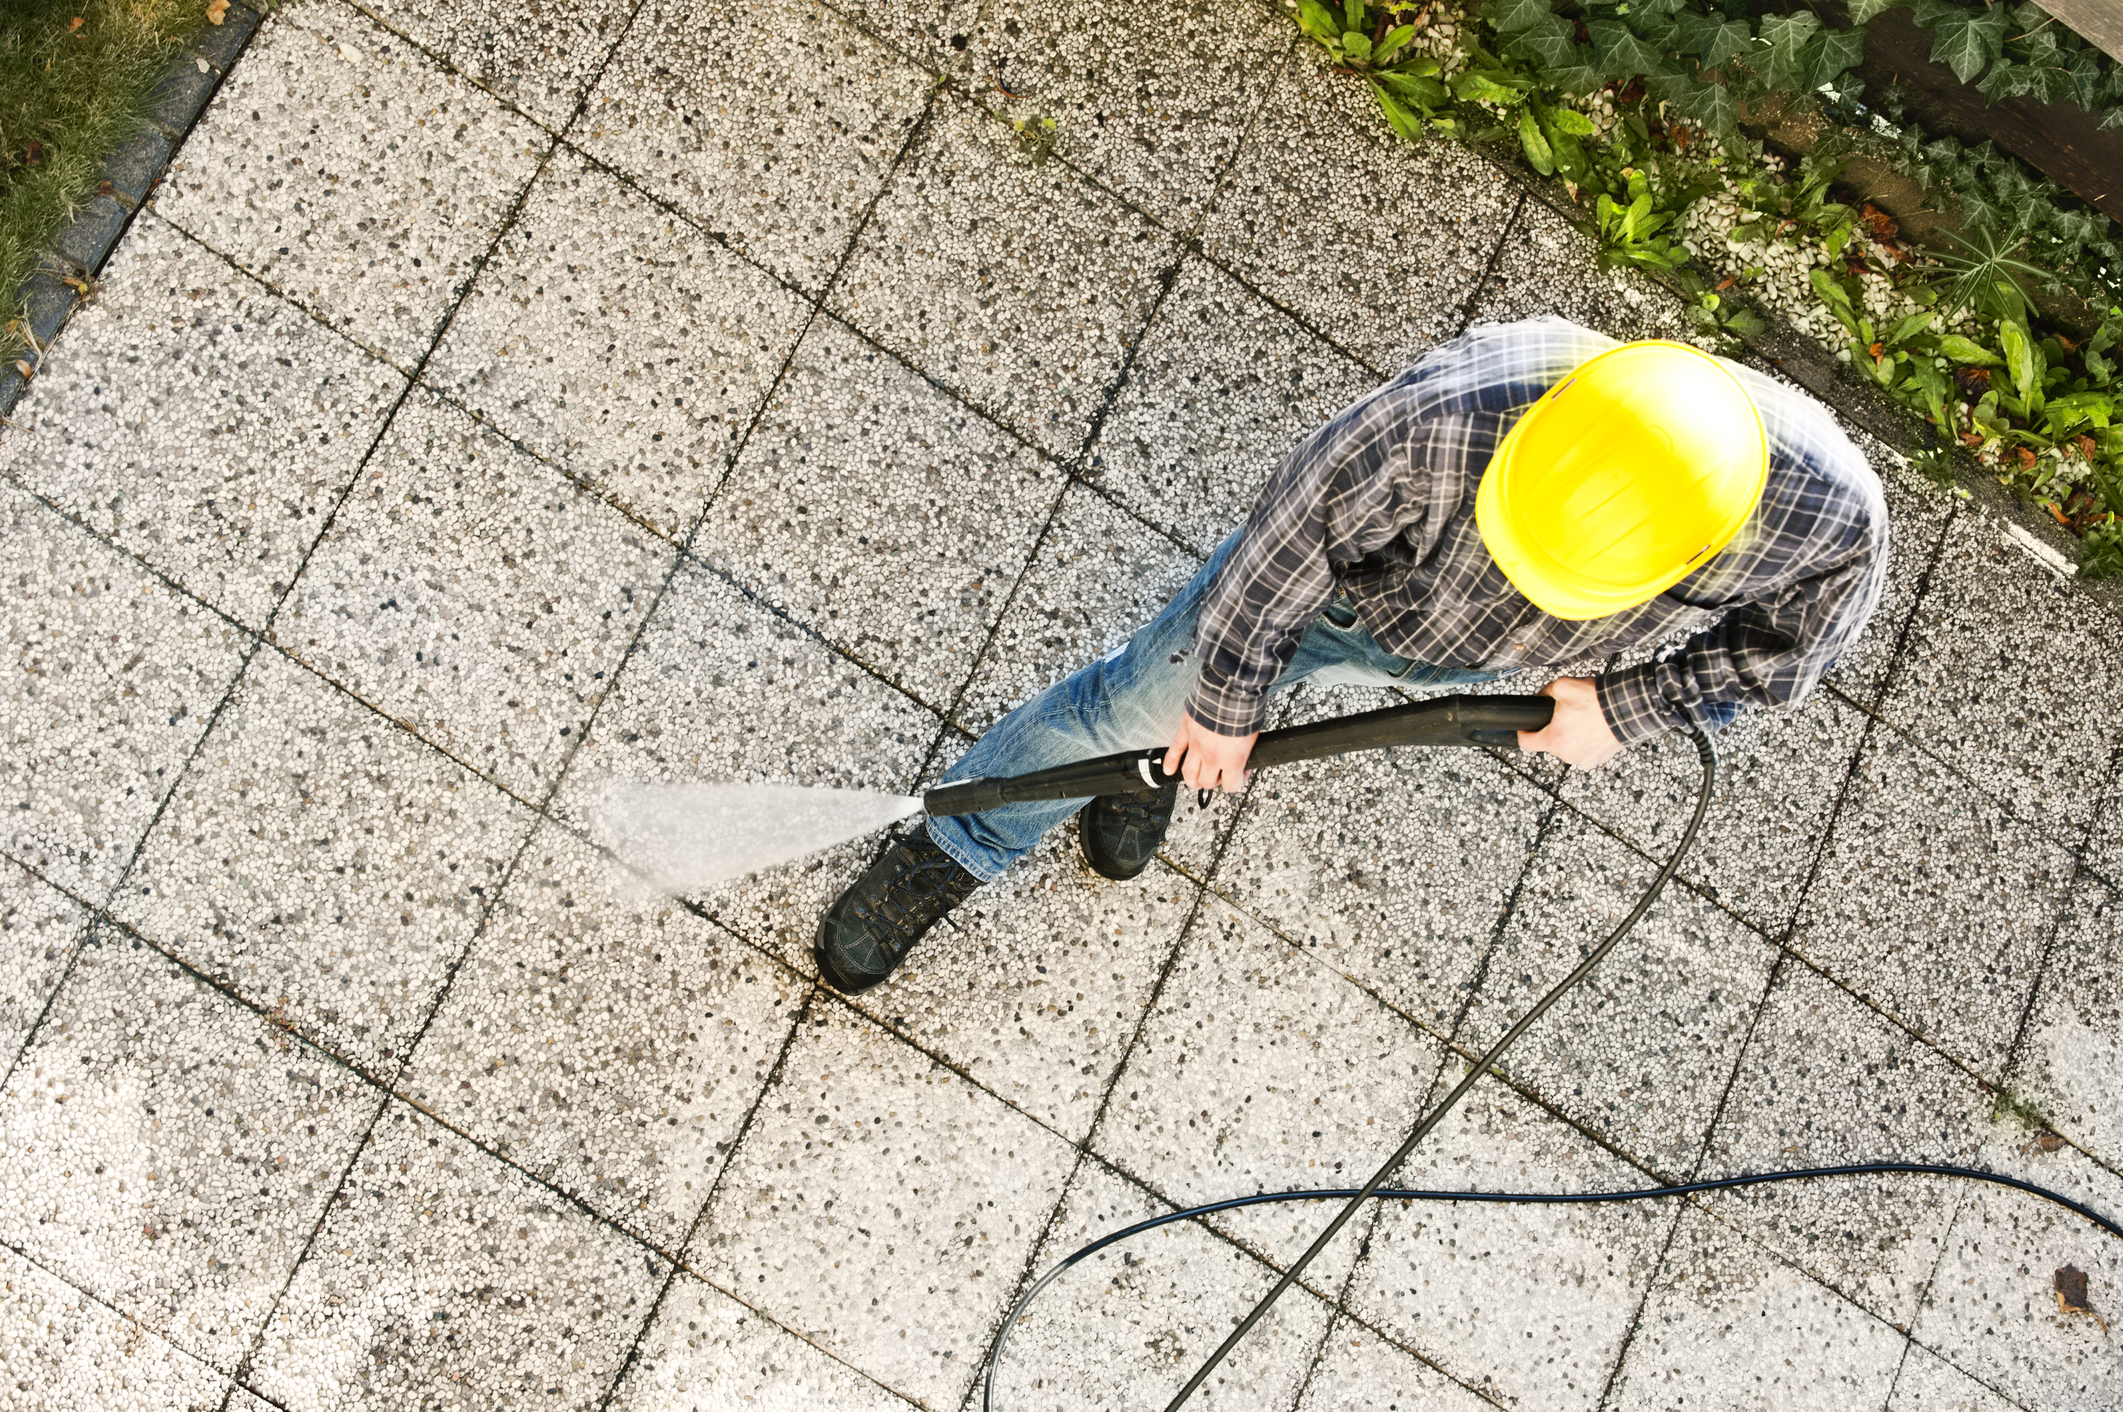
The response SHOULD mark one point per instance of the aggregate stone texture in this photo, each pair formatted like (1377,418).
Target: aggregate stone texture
(723,689)
(63,1348)
(535,55)
(1917,515)
(707,1351)
(348,171)
(1392,868)
(1547,266)
(620,342)
(880,511)
(1099,577)
(1640,1052)
(1039,989)
(1933,903)
(2073,1045)
(113,676)
(1223,386)
(1016,283)
(2009,677)
(1259,1069)
(170,1151)
(1127,1327)
(773,125)
(1779,774)
(882,1206)
(1152,102)
(444,1278)
(199,422)
(475,594)
(609,1043)
(1827,1082)
(1928,1383)
(1320,179)
(1358,1371)
(1992,1308)
(1727,1325)
(323,863)
(936,34)
(40,927)
(1527,1305)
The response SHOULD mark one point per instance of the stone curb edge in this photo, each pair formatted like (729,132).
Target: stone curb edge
(130,175)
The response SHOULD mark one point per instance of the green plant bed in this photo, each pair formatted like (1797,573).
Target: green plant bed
(1641,110)
(75,79)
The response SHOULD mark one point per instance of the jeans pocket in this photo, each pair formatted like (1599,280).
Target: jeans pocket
(1340,615)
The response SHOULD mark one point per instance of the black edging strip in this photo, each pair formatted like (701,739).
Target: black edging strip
(65,274)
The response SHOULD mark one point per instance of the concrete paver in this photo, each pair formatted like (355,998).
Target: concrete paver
(538,57)
(64,1348)
(40,927)
(2074,1036)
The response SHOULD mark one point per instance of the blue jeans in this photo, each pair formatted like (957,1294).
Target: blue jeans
(1132,699)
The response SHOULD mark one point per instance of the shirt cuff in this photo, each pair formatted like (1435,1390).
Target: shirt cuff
(1630,701)
(1225,709)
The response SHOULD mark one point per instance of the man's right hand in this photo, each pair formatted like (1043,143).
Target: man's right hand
(1207,760)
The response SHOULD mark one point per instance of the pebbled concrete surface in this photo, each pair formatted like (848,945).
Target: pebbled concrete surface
(503,399)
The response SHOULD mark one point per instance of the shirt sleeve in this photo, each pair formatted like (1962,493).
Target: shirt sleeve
(1341,495)
(1765,653)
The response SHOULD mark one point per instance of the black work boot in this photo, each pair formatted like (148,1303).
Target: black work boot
(870,929)
(1121,832)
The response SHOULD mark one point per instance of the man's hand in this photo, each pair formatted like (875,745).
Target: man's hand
(1207,760)
(1578,734)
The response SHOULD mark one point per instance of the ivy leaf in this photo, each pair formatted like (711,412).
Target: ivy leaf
(1979,212)
(1864,12)
(2114,116)
(1833,52)
(1621,53)
(1512,16)
(1784,65)
(1714,40)
(1714,106)
(1967,39)
(1536,147)
(1550,46)
(2007,80)
(1580,75)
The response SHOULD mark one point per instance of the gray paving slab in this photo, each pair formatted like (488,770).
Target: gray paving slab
(1641,1052)
(2073,1042)
(1260,1069)
(169,1151)
(619,341)
(1392,868)
(1917,512)
(476,594)
(1360,1372)
(348,170)
(117,676)
(877,509)
(935,34)
(1933,903)
(1728,1325)
(1547,265)
(1019,285)
(1780,773)
(1992,1307)
(705,1350)
(897,1267)
(1928,1383)
(1321,177)
(1099,577)
(65,1349)
(441,1277)
(1527,1305)
(1128,1326)
(1150,102)
(722,689)
(536,56)
(774,125)
(323,863)
(2009,677)
(1038,990)
(40,927)
(198,421)
(604,1038)
(1827,1082)
(2103,850)
(1223,386)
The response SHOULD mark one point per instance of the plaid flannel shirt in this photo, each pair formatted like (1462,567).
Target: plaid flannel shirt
(1380,503)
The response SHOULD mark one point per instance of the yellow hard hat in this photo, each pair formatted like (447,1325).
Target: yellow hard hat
(1622,479)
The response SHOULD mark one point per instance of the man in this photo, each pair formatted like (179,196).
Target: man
(1527,495)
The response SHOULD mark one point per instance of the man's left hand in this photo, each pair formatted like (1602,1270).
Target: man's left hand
(1578,734)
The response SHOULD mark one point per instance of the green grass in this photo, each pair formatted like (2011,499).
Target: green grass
(74,82)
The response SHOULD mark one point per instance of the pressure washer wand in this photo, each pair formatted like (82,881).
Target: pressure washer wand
(1444,720)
